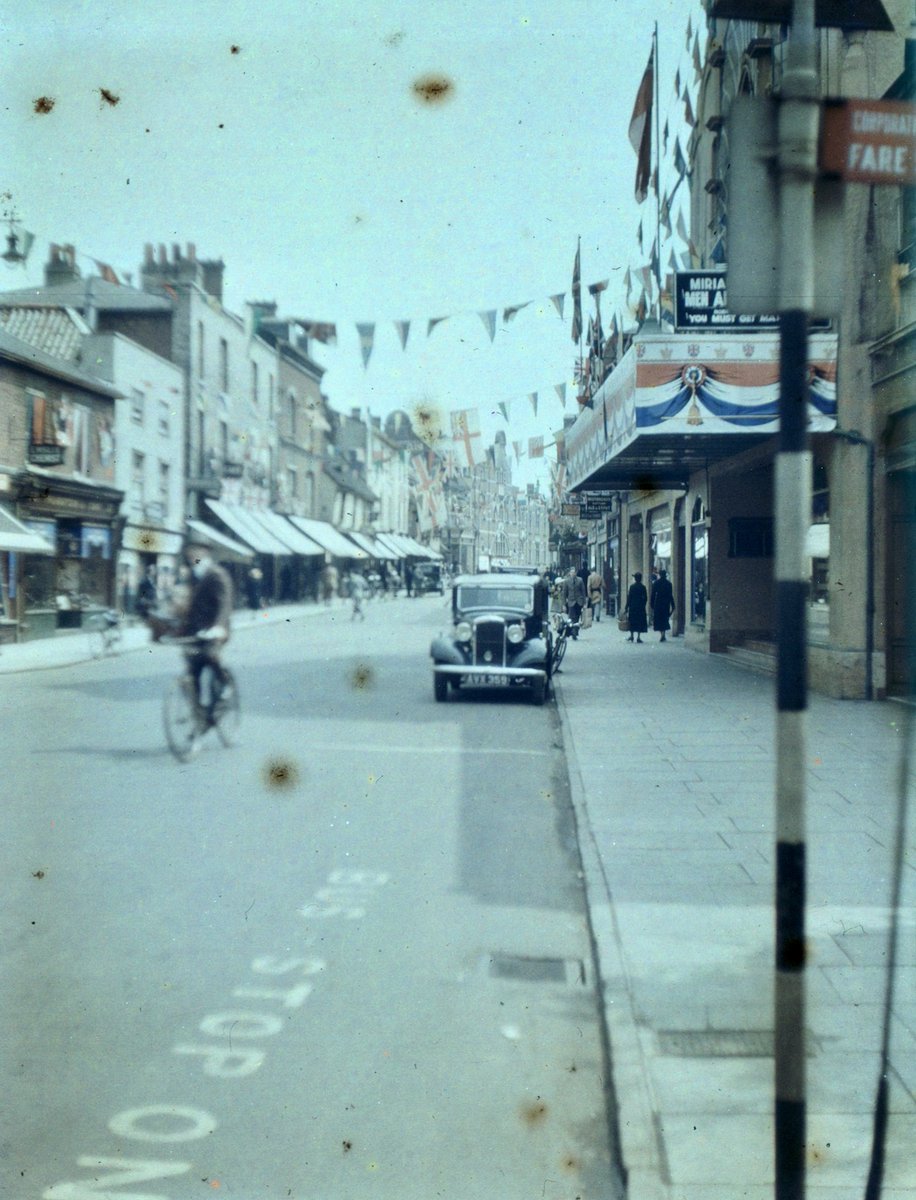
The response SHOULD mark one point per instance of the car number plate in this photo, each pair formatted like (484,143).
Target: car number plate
(479,678)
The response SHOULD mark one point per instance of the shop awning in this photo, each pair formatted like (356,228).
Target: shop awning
(387,540)
(371,545)
(247,529)
(287,533)
(226,549)
(16,537)
(327,537)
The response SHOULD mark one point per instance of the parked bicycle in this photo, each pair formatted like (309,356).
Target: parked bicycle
(563,629)
(106,632)
(190,711)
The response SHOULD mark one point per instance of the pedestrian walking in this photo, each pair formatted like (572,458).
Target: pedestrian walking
(328,582)
(253,582)
(573,593)
(595,589)
(147,593)
(662,601)
(637,599)
(357,587)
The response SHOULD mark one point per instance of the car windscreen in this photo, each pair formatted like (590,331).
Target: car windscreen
(494,597)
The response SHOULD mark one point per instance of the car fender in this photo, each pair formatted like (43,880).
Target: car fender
(532,655)
(444,650)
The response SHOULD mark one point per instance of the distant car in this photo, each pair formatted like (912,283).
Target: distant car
(427,577)
(501,636)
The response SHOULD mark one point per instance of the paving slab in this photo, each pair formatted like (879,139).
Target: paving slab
(672,770)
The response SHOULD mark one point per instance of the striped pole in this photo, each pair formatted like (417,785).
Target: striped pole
(798,130)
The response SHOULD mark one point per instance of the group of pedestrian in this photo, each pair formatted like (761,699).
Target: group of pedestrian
(639,599)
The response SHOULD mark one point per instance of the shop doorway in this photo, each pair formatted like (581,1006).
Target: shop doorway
(901,640)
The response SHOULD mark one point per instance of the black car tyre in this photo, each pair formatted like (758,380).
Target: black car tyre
(440,687)
(538,690)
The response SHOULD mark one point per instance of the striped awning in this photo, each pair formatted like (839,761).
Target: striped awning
(287,533)
(245,527)
(329,538)
(226,549)
(16,537)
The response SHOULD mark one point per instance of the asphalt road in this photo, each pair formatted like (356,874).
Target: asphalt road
(348,957)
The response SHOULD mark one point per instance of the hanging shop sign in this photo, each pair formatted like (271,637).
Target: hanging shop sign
(869,141)
(701,302)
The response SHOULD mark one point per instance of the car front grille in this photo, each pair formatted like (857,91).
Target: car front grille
(490,639)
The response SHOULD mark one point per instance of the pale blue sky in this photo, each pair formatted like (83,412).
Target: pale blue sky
(307,163)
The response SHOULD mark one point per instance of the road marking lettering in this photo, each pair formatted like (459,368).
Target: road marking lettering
(344,894)
(125,1170)
(194,1123)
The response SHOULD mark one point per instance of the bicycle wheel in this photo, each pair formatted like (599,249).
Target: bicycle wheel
(180,717)
(559,651)
(227,712)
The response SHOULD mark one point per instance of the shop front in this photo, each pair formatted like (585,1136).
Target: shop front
(81,522)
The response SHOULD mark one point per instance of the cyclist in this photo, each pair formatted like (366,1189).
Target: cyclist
(206,618)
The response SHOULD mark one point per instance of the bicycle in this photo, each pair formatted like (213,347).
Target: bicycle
(563,629)
(105,632)
(189,712)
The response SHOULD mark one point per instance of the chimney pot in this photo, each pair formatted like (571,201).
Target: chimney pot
(192,251)
(148,254)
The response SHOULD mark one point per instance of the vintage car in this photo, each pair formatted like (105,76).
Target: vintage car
(501,636)
(427,577)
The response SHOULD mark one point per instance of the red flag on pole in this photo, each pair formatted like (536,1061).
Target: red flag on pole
(641,130)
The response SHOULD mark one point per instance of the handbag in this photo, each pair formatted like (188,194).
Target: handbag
(623,623)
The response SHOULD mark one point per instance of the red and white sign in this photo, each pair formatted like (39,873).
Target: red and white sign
(869,141)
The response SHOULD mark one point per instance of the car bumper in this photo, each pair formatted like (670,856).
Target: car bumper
(488,670)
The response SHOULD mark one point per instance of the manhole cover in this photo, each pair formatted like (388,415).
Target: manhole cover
(719,1043)
(536,970)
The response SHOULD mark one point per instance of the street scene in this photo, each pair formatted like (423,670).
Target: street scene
(457,558)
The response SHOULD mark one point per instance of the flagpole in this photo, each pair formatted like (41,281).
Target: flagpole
(658,183)
(579,260)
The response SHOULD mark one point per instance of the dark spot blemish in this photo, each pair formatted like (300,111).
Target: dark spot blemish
(433,89)
(347,1146)
(281,774)
(535,1114)
(44,104)
(234,49)
(427,423)
(39,874)
(363,677)
(109,97)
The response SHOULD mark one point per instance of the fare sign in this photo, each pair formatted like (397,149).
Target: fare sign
(870,141)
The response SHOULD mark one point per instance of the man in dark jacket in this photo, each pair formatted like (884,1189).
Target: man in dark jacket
(573,593)
(207,618)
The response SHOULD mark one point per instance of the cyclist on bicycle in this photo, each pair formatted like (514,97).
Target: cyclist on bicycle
(207,619)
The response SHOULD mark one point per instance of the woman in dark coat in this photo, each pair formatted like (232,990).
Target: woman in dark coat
(637,599)
(662,600)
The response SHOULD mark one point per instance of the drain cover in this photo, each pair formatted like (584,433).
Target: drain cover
(719,1043)
(536,970)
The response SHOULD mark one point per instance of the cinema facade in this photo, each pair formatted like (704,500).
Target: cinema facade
(680,441)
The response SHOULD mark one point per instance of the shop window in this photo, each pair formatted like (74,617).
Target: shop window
(750,537)
(699,570)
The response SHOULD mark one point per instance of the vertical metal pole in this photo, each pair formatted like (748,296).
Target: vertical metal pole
(798,127)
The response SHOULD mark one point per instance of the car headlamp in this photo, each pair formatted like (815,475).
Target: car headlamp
(462,632)
(515,634)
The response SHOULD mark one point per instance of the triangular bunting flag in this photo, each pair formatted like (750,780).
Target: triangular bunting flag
(509,313)
(559,302)
(403,328)
(628,280)
(689,32)
(433,322)
(665,138)
(504,409)
(688,110)
(677,82)
(517,447)
(366,341)
(682,227)
(697,63)
(533,397)
(664,215)
(489,322)
(680,163)
(560,389)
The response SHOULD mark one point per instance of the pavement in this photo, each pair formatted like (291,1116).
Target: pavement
(671,763)
(671,759)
